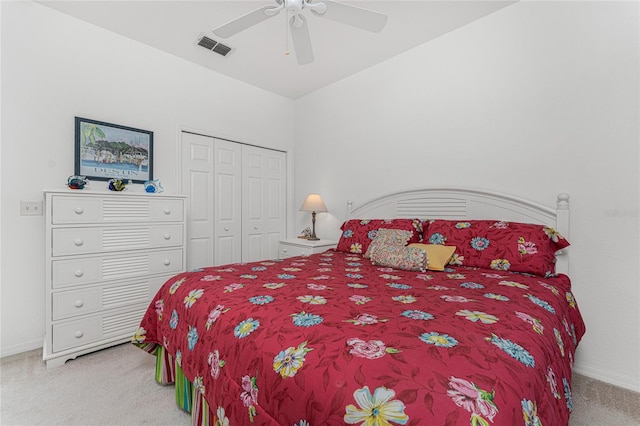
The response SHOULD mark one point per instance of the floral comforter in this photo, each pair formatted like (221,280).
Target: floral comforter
(330,339)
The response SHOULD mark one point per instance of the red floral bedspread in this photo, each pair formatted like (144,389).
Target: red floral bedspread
(330,339)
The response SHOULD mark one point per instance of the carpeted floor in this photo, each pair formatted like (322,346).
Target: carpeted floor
(116,387)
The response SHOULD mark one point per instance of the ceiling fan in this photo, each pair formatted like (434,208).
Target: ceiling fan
(351,15)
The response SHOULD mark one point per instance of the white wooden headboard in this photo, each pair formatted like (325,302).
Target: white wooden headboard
(464,203)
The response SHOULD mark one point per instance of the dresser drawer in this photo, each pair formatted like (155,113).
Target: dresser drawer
(298,247)
(77,302)
(291,251)
(76,333)
(166,210)
(76,209)
(87,300)
(87,240)
(68,209)
(96,269)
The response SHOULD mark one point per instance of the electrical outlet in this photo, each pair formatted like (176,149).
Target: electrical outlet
(30,208)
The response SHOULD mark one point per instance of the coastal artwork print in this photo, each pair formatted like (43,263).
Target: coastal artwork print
(106,151)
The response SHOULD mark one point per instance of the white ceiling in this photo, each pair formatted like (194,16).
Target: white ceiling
(259,56)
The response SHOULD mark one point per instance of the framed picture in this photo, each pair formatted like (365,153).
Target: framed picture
(106,151)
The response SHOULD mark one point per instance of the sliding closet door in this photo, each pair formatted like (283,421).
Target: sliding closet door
(228,202)
(197,183)
(263,194)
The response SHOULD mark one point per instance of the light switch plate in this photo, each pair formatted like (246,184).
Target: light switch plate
(30,208)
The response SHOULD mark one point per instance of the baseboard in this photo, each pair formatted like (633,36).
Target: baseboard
(22,347)
(606,376)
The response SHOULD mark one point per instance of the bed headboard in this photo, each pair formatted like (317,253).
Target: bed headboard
(463,203)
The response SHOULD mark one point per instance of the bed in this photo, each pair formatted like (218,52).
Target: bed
(391,327)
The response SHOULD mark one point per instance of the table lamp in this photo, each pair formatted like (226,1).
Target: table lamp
(313,203)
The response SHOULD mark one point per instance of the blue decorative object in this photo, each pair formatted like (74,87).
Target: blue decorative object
(153,186)
(117,185)
(77,182)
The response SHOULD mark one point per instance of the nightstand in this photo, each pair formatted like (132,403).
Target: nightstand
(301,247)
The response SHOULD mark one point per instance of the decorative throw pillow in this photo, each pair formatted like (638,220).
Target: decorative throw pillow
(400,257)
(438,255)
(388,237)
(357,234)
(498,245)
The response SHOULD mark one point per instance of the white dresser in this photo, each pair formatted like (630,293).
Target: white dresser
(107,255)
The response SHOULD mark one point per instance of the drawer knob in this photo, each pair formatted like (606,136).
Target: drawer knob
(167,262)
(78,210)
(79,304)
(226,228)
(78,242)
(78,273)
(255,227)
(167,236)
(284,250)
(167,211)
(79,334)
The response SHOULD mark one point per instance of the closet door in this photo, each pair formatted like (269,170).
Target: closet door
(197,183)
(237,201)
(211,176)
(263,202)
(228,202)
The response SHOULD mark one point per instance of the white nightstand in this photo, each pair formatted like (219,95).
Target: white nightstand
(301,247)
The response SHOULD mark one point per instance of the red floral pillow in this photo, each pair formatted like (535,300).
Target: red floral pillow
(503,246)
(357,234)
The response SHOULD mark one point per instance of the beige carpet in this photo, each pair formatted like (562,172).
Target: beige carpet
(116,387)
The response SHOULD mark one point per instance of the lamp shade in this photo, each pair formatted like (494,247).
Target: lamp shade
(313,203)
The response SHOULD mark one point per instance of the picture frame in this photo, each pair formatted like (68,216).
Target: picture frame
(105,151)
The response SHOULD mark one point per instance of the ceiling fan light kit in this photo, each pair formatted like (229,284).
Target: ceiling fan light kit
(358,17)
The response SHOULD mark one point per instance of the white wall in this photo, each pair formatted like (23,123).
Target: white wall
(536,99)
(55,67)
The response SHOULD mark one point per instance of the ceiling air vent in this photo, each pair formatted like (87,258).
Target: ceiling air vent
(214,46)
(221,49)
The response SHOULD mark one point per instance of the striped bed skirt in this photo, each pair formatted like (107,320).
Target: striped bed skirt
(188,397)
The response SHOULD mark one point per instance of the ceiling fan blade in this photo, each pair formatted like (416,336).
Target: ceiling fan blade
(355,16)
(301,40)
(245,21)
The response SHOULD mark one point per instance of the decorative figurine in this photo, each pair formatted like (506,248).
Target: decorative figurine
(77,182)
(305,234)
(153,186)
(117,185)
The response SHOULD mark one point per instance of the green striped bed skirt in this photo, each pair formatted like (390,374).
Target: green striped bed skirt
(188,397)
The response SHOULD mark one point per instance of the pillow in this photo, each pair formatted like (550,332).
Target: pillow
(498,245)
(425,227)
(388,237)
(438,255)
(400,257)
(357,234)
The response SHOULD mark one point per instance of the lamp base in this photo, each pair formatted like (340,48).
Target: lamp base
(313,237)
